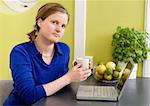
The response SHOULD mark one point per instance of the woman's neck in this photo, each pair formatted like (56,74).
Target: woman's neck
(46,49)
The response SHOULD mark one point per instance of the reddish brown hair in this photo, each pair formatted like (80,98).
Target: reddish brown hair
(43,12)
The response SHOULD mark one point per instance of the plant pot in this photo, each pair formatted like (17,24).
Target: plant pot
(133,73)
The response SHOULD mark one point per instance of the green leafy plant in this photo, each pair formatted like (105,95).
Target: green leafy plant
(129,43)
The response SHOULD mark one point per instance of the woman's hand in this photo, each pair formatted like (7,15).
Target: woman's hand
(77,73)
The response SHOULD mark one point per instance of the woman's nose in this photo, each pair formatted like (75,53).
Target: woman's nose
(58,28)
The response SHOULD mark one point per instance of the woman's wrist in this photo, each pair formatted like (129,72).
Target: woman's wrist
(68,78)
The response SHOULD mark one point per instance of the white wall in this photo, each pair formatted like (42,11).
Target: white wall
(146,65)
(80,28)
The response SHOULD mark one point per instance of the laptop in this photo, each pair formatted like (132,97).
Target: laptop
(108,93)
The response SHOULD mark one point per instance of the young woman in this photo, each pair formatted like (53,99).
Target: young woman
(40,67)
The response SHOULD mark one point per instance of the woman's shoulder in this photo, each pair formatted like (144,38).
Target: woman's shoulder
(22,46)
(62,44)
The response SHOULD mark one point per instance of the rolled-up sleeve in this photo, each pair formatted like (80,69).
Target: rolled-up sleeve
(24,83)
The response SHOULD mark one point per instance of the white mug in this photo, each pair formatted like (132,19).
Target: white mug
(82,60)
(90,61)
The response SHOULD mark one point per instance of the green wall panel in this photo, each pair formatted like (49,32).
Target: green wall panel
(13,29)
(103,16)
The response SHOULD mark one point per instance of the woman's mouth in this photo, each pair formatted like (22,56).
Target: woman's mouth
(56,35)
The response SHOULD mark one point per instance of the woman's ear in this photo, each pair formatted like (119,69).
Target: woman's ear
(39,22)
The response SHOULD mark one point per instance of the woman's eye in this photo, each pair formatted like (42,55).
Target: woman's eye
(54,22)
(63,26)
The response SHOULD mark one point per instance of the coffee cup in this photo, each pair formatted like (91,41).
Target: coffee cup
(90,61)
(83,61)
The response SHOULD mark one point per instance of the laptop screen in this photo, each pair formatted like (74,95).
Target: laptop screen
(125,76)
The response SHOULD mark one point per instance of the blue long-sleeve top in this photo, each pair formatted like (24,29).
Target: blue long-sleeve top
(29,72)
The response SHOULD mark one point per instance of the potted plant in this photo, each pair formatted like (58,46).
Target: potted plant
(129,44)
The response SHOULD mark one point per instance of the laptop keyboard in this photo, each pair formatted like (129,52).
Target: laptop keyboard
(104,91)
(97,92)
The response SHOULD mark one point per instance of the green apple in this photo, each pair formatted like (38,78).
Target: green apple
(118,68)
(116,74)
(109,71)
(107,77)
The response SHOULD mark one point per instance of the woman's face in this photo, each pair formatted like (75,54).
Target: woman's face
(53,27)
